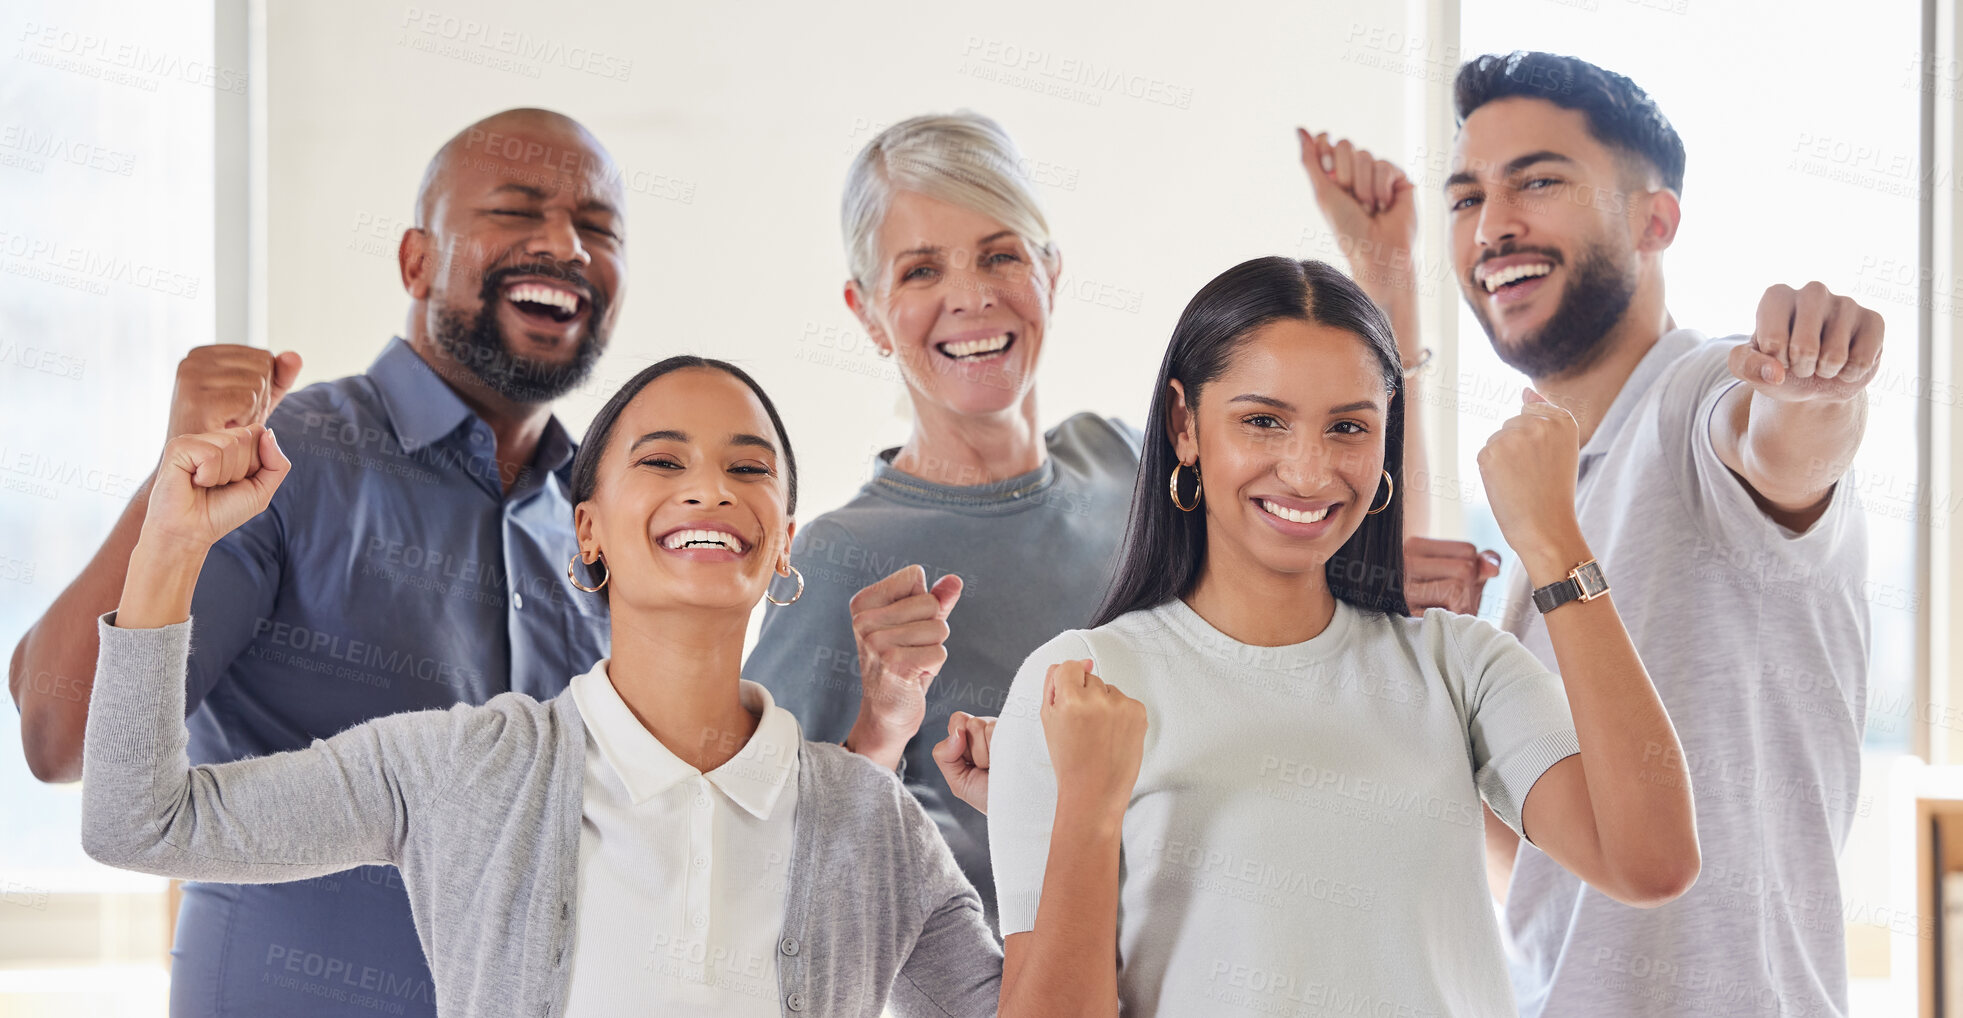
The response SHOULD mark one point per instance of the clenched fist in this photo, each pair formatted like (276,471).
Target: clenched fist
(1809,344)
(1096,737)
(900,628)
(208,484)
(1446,574)
(1369,203)
(1529,469)
(963,757)
(228,386)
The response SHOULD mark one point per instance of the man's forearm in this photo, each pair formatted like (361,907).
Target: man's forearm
(1793,453)
(53,668)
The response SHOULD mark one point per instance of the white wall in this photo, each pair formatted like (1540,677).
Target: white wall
(740,127)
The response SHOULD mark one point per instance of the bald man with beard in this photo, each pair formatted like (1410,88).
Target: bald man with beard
(415,558)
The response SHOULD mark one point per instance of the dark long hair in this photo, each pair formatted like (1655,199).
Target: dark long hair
(586,463)
(1164,547)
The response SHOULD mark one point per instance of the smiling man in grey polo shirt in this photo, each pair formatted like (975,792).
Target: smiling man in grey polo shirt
(415,558)
(1708,487)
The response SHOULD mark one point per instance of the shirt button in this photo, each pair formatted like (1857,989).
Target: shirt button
(795,1001)
(699,921)
(701,862)
(517,600)
(788,946)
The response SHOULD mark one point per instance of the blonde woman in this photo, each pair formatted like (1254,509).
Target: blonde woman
(953,273)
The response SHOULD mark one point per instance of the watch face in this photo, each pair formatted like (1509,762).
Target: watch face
(1591,581)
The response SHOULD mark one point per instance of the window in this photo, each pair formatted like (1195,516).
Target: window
(1820,184)
(106,256)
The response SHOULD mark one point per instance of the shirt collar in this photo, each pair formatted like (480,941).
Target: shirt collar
(424,410)
(555,448)
(421,408)
(1668,347)
(754,778)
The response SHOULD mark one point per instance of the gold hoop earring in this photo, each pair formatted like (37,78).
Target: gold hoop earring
(800,590)
(1197,490)
(573,578)
(1387,495)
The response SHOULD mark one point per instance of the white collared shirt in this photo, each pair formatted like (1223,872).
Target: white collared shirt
(681,874)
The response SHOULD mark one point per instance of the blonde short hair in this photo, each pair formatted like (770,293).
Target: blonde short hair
(962,158)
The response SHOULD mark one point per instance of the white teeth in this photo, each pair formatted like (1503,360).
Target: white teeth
(702,538)
(974,347)
(1500,277)
(536,294)
(1295,515)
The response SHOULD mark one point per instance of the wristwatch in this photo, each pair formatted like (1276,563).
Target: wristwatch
(1584,583)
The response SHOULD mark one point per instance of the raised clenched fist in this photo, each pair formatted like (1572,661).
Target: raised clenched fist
(208,484)
(226,385)
(1529,468)
(1096,738)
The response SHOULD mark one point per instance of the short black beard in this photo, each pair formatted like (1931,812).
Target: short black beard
(1576,335)
(480,345)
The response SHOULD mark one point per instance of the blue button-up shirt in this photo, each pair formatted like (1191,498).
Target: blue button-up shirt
(392,572)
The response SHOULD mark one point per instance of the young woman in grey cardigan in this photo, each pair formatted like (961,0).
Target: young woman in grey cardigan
(481,807)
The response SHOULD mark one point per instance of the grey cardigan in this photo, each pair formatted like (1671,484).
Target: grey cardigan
(479,806)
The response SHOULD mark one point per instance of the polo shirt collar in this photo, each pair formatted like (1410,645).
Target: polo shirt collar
(1668,347)
(754,778)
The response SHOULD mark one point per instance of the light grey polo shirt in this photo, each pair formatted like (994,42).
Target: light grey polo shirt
(1757,640)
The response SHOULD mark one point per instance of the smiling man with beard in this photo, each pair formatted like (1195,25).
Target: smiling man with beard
(1708,487)
(1709,490)
(415,558)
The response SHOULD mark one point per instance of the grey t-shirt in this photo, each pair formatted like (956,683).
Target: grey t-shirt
(1304,837)
(1757,640)
(1034,553)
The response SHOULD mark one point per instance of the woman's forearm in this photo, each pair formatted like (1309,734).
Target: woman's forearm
(1397,294)
(162,578)
(289,816)
(1638,789)
(1068,964)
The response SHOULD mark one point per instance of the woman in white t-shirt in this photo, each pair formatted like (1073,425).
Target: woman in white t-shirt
(1303,835)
